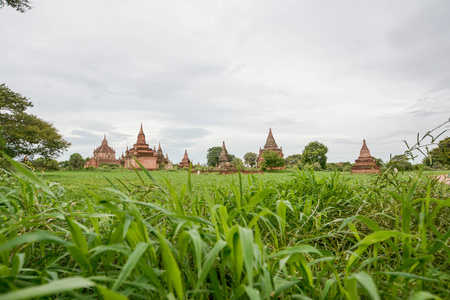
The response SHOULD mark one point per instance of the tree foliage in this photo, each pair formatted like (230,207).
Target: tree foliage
(23,133)
(76,161)
(238,163)
(440,154)
(250,159)
(293,159)
(19,5)
(212,156)
(272,160)
(315,152)
(46,164)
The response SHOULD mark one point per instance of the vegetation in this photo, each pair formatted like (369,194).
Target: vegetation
(293,159)
(272,160)
(315,152)
(250,159)
(19,5)
(294,235)
(212,156)
(24,134)
(76,161)
(439,155)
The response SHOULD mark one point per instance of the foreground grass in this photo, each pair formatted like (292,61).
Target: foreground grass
(119,235)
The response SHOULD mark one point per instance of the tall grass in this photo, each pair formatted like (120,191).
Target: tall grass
(308,237)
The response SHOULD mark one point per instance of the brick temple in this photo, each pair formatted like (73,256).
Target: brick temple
(103,155)
(224,160)
(185,161)
(270,145)
(150,158)
(365,162)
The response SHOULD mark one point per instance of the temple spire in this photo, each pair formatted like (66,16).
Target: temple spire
(270,142)
(141,137)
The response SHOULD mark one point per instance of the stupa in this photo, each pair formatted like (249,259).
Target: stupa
(270,145)
(102,155)
(185,162)
(224,160)
(147,156)
(365,162)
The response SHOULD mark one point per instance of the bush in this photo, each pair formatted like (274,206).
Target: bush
(46,164)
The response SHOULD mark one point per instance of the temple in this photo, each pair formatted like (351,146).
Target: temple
(102,155)
(224,160)
(148,157)
(270,145)
(185,162)
(365,162)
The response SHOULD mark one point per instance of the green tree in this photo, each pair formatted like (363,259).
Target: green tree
(315,152)
(76,161)
(212,156)
(26,134)
(272,160)
(441,153)
(19,5)
(46,164)
(238,163)
(250,159)
(293,159)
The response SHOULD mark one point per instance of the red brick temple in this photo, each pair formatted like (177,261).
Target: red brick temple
(270,145)
(147,156)
(185,162)
(102,155)
(365,162)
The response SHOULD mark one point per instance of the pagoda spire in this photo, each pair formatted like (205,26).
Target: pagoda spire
(159,147)
(364,151)
(270,142)
(141,137)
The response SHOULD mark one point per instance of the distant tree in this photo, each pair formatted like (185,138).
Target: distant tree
(46,164)
(378,161)
(315,152)
(25,134)
(19,5)
(441,153)
(272,160)
(76,161)
(238,163)
(250,159)
(293,159)
(212,156)
(231,157)
(401,163)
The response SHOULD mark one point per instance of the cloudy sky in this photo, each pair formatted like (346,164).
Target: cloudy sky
(196,73)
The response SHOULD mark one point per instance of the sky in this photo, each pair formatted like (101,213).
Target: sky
(196,73)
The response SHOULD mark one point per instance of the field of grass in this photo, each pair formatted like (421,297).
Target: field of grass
(174,235)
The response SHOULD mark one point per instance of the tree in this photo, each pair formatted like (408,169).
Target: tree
(272,160)
(293,159)
(237,162)
(76,161)
(19,5)
(26,134)
(250,159)
(46,164)
(315,152)
(440,154)
(212,156)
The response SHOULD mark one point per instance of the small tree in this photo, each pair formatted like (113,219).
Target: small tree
(293,159)
(238,163)
(441,153)
(76,161)
(315,152)
(46,164)
(272,160)
(212,156)
(250,159)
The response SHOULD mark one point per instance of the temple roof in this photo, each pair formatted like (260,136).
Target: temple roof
(104,147)
(224,154)
(270,142)
(141,137)
(364,153)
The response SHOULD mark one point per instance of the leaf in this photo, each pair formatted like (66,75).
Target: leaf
(32,237)
(366,281)
(52,288)
(110,295)
(129,265)
(172,269)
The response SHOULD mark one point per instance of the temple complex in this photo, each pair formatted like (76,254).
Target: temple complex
(365,162)
(148,157)
(224,160)
(103,155)
(185,162)
(270,145)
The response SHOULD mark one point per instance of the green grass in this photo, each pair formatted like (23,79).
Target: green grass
(290,235)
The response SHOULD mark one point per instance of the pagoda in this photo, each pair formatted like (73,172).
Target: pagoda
(147,156)
(365,162)
(270,145)
(102,155)
(185,162)
(224,160)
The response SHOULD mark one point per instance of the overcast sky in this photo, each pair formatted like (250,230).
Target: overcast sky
(196,73)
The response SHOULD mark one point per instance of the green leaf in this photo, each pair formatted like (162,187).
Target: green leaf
(32,237)
(366,281)
(52,288)
(172,269)
(110,295)
(129,265)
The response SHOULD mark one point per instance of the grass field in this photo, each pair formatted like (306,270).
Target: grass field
(171,235)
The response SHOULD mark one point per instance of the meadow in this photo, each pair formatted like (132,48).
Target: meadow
(175,235)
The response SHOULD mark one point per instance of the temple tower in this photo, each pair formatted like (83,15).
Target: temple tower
(270,145)
(365,162)
(185,162)
(103,155)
